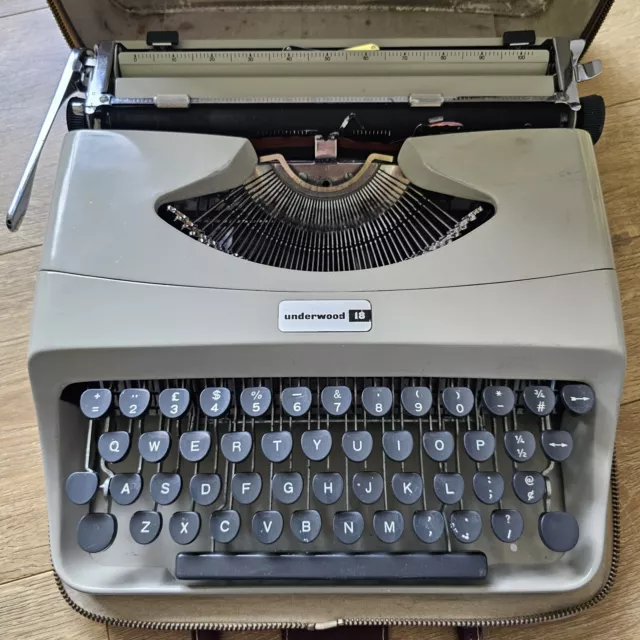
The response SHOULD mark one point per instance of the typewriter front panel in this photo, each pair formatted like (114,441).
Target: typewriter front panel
(509,335)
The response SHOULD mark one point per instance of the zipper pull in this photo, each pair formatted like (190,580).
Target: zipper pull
(470,633)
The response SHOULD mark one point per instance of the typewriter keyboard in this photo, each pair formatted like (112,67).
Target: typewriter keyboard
(332,480)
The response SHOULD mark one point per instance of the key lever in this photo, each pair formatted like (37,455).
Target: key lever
(70,82)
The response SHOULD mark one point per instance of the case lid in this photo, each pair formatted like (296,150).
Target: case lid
(86,22)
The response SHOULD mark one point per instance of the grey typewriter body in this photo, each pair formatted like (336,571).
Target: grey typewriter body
(319,396)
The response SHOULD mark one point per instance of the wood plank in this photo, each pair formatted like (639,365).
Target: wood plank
(28,80)
(33,608)
(11,7)
(617,46)
(23,515)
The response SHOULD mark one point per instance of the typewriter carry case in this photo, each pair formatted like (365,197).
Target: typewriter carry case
(246,427)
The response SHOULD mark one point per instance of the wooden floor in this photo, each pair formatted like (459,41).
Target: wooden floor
(32,54)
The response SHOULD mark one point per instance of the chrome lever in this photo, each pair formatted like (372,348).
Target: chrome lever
(69,83)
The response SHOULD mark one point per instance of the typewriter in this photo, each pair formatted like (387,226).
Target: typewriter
(315,317)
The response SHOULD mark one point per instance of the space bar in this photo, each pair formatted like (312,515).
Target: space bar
(363,567)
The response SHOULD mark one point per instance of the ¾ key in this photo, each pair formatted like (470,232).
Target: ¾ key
(540,399)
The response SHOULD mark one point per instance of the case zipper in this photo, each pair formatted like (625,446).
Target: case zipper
(399,622)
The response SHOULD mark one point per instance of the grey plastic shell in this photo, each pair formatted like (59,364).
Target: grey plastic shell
(122,295)
(550,217)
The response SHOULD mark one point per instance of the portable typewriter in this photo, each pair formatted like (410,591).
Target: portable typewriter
(327,320)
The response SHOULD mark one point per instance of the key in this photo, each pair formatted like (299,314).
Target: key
(368,486)
(466,525)
(416,401)
(246,487)
(81,486)
(205,488)
(145,526)
(428,525)
(377,400)
(224,526)
(540,400)
(407,487)
(277,445)
(296,401)
(316,444)
(336,401)
(375,568)
(458,401)
(327,487)
(114,445)
(94,403)
(255,401)
(507,524)
(348,526)
(557,445)
(173,402)
(96,532)
(305,525)
(125,488)
(267,526)
(578,398)
(520,445)
(529,486)
(236,445)
(184,526)
(479,445)
(558,530)
(154,445)
(357,445)
(448,487)
(439,445)
(286,487)
(488,486)
(194,445)
(388,525)
(398,445)
(134,402)
(165,487)
(214,401)
(499,401)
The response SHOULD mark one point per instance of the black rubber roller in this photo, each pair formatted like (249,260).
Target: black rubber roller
(591,116)
(75,122)
(559,530)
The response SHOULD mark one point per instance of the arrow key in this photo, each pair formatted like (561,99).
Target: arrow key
(557,445)
(578,398)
